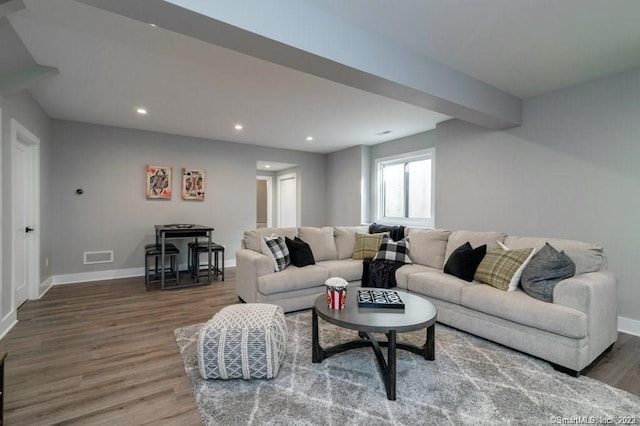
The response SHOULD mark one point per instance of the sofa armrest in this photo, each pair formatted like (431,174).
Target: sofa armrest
(595,294)
(249,266)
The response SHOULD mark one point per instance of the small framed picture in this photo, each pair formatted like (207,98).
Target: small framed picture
(193,184)
(158,182)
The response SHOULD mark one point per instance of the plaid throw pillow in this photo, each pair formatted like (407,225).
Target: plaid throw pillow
(275,247)
(366,245)
(498,266)
(393,250)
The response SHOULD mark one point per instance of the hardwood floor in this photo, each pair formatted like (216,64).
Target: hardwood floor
(104,353)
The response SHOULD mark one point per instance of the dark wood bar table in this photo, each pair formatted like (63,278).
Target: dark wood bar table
(164,232)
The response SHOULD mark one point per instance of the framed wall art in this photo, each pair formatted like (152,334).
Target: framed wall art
(193,184)
(158,182)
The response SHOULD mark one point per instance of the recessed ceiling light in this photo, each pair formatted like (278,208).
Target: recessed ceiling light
(309,138)
(153,25)
(238,126)
(141,111)
(384,132)
(267,166)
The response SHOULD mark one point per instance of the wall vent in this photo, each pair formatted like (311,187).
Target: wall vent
(91,257)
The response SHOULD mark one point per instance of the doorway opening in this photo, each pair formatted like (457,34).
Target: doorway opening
(280,206)
(264,205)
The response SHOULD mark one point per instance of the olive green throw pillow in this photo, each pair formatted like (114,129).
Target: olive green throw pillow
(367,245)
(498,266)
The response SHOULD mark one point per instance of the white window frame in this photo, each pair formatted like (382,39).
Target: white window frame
(424,154)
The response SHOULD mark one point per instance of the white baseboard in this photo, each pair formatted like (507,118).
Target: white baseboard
(7,323)
(97,276)
(45,286)
(110,275)
(629,326)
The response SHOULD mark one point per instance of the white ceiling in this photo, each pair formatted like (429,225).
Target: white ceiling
(110,65)
(524,47)
(272,166)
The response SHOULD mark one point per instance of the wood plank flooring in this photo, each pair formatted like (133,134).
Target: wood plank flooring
(104,353)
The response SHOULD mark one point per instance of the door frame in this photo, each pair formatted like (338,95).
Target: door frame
(269,180)
(19,133)
(280,179)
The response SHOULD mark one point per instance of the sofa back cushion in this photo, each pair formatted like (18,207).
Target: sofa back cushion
(588,257)
(345,237)
(321,242)
(428,246)
(253,239)
(458,238)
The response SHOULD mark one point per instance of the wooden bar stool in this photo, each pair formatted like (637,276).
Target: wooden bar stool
(196,249)
(155,251)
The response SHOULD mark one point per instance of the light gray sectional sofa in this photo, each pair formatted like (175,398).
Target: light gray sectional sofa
(571,332)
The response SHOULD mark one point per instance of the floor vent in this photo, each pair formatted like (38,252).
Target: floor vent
(91,257)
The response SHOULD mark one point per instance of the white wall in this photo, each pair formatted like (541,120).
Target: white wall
(108,163)
(571,171)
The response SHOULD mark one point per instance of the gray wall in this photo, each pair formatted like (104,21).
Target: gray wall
(21,107)
(345,174)
(403,145)
(572,171)
(108,163)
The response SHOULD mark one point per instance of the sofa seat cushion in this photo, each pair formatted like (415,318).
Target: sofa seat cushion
(292,278)
(349,269)
(523,309)
(438,285)
(402,274)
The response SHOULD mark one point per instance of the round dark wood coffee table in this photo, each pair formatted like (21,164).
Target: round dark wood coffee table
(418,313)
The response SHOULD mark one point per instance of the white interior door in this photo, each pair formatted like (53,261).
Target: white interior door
(25,189)
(287,201)
(21,222)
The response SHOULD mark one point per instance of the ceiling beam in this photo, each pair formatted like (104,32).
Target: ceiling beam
(16,81)
(10,6)
(294,34)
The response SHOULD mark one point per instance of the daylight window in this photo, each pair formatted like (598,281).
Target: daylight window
(404,189)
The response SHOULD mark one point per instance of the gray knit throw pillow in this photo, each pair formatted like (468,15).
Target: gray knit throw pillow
(546,269)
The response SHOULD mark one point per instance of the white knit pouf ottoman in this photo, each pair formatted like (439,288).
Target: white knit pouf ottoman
(246,341)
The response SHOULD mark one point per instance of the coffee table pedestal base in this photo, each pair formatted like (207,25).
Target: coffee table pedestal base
(388,366)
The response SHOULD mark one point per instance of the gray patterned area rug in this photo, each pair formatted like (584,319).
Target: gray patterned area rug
(472,381)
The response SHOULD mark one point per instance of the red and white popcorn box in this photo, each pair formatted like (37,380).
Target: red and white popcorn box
(336,292)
